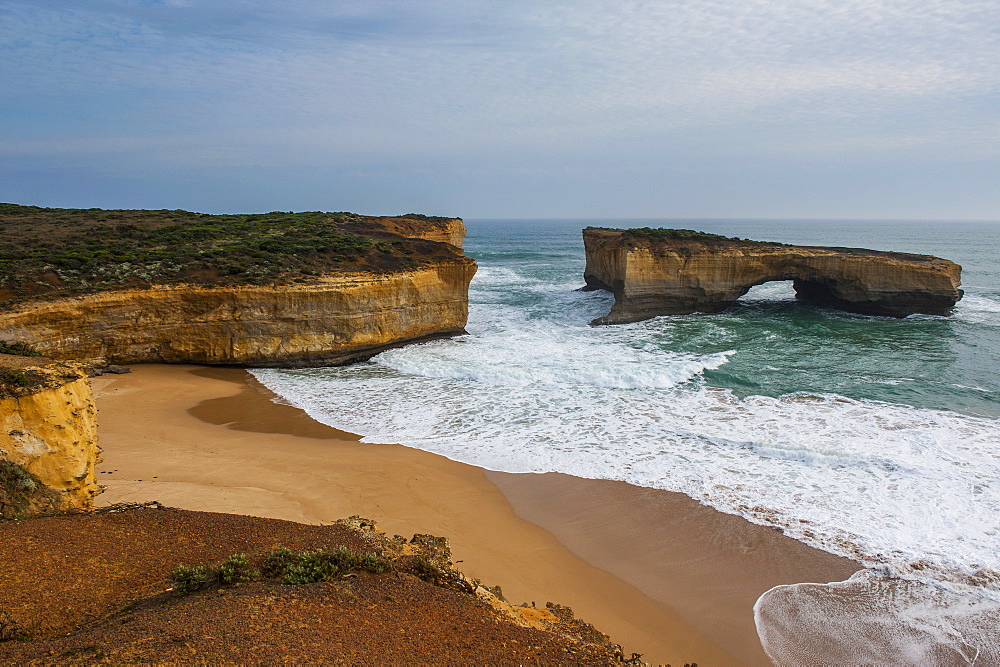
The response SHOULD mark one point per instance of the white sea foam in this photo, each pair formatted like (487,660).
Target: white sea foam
(872,619)
(542,353)
(780,290)
(978,309)
(910,490)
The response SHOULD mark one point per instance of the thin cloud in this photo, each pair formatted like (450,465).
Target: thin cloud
(310,82)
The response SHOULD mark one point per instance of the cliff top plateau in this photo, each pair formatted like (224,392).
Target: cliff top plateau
(51,252)
(151,584)
(19,370)
(679,271)
(266,289)
(691,242)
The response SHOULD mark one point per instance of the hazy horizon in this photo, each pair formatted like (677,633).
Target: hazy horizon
(810,109)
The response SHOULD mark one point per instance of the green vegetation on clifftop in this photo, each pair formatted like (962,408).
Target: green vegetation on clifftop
(663,234)
(52,251)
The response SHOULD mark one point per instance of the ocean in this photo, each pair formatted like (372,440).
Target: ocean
(869,437)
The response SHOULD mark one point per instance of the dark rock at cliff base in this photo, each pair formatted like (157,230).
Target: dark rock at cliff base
(655,272)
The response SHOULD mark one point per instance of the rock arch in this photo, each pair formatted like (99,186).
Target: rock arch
(671,272)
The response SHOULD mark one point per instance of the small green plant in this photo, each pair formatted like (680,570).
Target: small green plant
(15,478)
(191,578)
(283,564)
(309,567)
(22,495)
(18,348)
(236,570)
(345,558)
(276,561)
(374,564)
(14,378)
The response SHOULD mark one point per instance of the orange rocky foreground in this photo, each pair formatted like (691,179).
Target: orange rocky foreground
(104,579)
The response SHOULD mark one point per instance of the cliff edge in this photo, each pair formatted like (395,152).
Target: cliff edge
(655,272)
(48,437)
(414,225)
(167,586)
(275,289)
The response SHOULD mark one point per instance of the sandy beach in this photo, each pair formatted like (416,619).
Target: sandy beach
(663,575)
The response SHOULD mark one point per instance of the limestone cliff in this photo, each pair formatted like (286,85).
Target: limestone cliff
(671,272)
(48,439)
(330,319)
(442,230)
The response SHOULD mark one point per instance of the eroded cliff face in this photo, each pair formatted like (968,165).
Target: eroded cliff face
(333,319)
(442,230)
(48,429)
(651,277)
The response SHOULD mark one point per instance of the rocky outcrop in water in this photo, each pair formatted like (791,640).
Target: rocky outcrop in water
(671,272)
(48,438)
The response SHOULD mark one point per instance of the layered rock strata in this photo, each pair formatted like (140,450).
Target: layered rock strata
(48,439)
(332,319)
(672,272)
(442,230)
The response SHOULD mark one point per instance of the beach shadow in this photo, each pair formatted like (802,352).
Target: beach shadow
(254,410)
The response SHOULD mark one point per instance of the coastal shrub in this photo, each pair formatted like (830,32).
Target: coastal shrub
(14,378)
(188,579)
(374,564)
(345,558)
(276,561)
(237,570)
(16,479)
(22,495)
(18,348)
(664,234)
(282,564)
(309,567)
(71,250)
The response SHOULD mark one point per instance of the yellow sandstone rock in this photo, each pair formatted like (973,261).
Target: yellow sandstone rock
(652,276)
(443,230)
(49,429)
(333,319)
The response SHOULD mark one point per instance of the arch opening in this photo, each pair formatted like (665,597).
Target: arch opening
(771,290)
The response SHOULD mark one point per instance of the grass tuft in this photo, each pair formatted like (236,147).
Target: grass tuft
(283,565)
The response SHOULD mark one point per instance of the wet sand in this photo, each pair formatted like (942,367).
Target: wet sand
(663,575)
(708,566)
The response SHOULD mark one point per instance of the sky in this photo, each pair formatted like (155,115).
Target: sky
(507,108)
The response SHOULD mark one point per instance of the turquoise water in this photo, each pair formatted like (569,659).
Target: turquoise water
(870,437)
(785,346)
